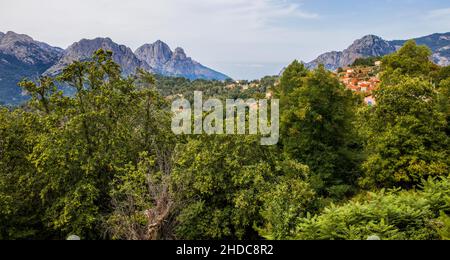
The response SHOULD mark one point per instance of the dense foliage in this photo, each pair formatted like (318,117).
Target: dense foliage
(366,61)
(104,163)
(317,128)
(391,215)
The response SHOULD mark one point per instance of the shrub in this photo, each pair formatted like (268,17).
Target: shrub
(391,215)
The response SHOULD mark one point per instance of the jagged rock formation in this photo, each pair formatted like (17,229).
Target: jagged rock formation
(27,50)
(368,46)
(156,54)
(22,57)
(84,49)
(175,63)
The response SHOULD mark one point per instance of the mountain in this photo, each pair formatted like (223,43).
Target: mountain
(84,49)
(439,43)
(175,63)
(157,58)
(22,57)
(373,46)
(155,55)
(27,50)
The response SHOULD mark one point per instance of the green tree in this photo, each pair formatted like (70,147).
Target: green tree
(444,100)
(367,62)
(289,198)
(20,204)
(407,140)
(317,128)
(143,204)
(225,187)
(84,142)
(291,79)
(411,60)
(220,179)
(441,74)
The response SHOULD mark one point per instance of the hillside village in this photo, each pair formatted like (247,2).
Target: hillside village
(362,80)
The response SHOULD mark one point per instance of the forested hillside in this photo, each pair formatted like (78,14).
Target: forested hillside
(104,163)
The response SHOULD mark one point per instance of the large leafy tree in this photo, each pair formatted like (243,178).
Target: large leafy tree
(411,60)
(83,143)
(226,187)
(407,138)
(317,129)
(20,204)
(444,100)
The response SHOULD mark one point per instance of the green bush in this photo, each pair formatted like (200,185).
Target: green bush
(391,215)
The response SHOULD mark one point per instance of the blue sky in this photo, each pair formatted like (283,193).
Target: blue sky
(245,39)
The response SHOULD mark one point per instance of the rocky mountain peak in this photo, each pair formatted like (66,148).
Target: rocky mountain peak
(370,38)
(174,63)
(84,49)
(162,46)
(367,46)
(179,54)
(155,55)
(15,37)
(22,57)
(27,50)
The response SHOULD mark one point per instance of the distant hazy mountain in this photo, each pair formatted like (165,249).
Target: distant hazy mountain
(372,46)
(22,57)
(175,63)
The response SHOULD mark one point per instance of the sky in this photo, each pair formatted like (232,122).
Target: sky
(245,39)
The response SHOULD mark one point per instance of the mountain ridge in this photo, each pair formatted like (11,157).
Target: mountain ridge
(23,57)
(156,58)
(372,46)
(26,49)
(83,50)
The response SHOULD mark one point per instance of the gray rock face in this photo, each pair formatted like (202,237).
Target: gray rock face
(156,58)
(1,35)
(368,46)
(373,46)
(27,50)
(84,49)
(156,54)
(175,63)
(330,60)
